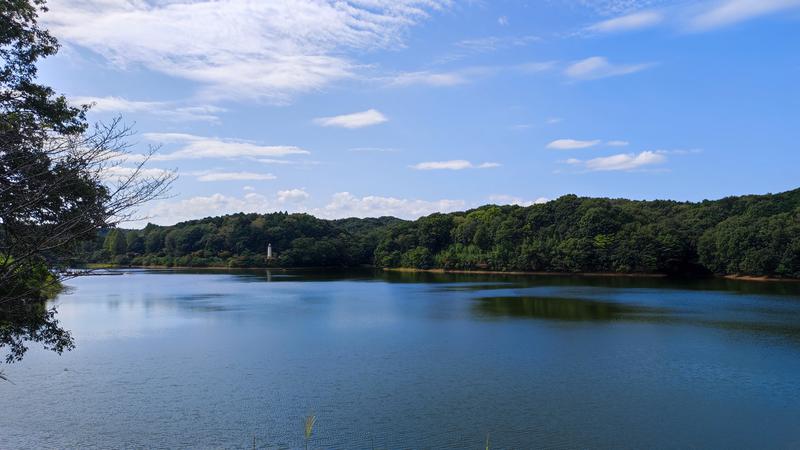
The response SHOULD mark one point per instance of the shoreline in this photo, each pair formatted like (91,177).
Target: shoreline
(758,279)
(521,273)
(751,278)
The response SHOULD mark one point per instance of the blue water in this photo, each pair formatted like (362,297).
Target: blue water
(179,359)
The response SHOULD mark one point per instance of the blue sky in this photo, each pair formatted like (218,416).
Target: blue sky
(406,107)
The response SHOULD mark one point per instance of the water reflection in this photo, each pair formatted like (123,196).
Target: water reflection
(477,281)
(210,359)
(769,318)
(23,321)
(555,308)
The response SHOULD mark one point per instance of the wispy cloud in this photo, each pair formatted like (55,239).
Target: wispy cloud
(466,75)
(355,120)
(618,7)
(426,78)
(275,161)
(199,147)
(618,143)
(693,16)
(730,12)
(118,173)
(521,126)
(208,176)
(598,67)
(629,22)
(486,44)
(572,144)
(620,162)
(373,150)
(492,43)
(268,49)
(456,164)
(171,111)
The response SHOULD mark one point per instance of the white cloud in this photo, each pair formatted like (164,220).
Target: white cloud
(345,204)
(293,196)
(119,173)
(618,143)
(355,120)
(599,67)
(126,157)
(198,147)
(168,212)
(167,110)
(502,21)
(466,75)
(622,161)
(437,79)
(275,161)
(502,199)
(456,164)
(286,162)
(554,120)
(116,104)
(233,176)
(730,12)
(267,49)
(572,144)
(635,21)
(340,205)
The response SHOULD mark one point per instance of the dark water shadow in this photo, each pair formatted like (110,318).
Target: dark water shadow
(499,280)
(777,329)
(557,308)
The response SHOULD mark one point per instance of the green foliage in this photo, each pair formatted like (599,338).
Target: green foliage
(751,235)
(115,243)
(54,196)
(240,240)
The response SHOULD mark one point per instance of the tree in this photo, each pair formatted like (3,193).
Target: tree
(60,179)
(134,242)
(115,243)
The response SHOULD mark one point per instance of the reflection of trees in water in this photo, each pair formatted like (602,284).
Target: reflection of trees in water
(25,321)
(552,308)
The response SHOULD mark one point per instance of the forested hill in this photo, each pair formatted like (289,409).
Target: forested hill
(241,240)
(748,235)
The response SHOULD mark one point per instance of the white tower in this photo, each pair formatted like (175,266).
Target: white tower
(269,251)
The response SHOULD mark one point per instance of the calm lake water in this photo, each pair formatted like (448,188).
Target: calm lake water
(182,359)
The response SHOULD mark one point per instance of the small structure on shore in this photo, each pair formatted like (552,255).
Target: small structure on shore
(269,251)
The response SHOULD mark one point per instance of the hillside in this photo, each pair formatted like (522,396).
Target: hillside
(755,235)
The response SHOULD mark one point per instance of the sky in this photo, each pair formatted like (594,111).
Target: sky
(366,108)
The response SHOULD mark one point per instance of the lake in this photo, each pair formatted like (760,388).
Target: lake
(223,359)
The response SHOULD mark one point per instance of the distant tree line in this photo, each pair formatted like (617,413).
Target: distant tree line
(241,240)
(748,235)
